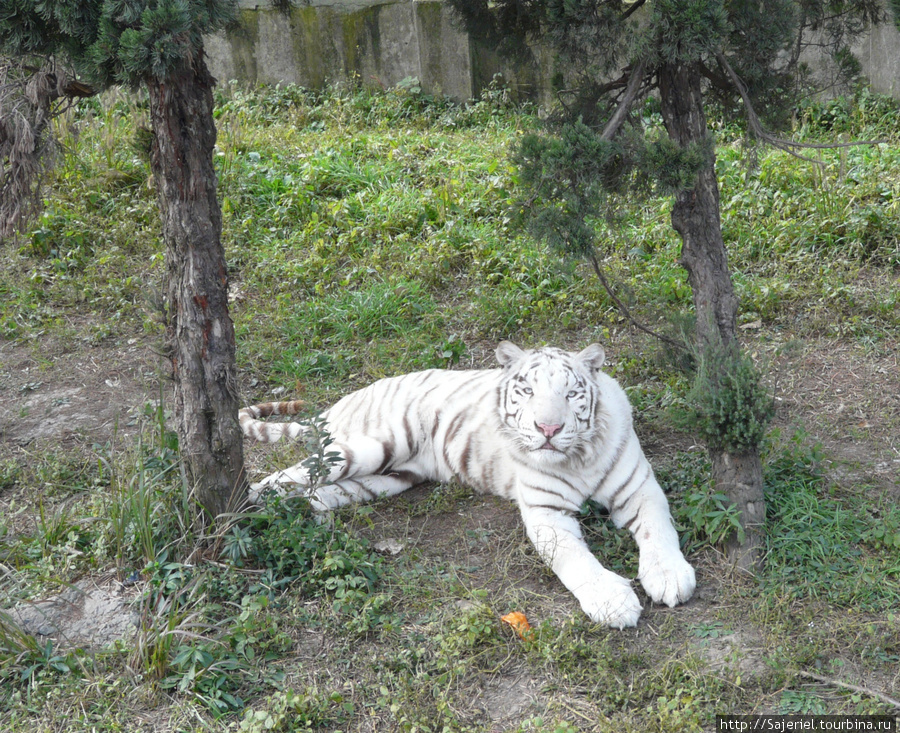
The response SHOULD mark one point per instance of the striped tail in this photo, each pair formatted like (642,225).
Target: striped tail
(253,425)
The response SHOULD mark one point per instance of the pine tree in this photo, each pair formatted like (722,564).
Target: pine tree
(57,49)
(611,55)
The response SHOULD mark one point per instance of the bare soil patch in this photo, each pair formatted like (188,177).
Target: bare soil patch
(55,396)
(90,614)
(848,398)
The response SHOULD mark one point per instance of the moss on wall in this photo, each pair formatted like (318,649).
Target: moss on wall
(361,35)
(308,45)
(379,44)
(318,44)
(243,41)
(429,24)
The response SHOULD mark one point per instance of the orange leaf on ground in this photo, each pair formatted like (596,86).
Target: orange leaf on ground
(518,621)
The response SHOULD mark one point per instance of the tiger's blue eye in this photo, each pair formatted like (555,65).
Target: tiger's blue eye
(572,395)
(528,390)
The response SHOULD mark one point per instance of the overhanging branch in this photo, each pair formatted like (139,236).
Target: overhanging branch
(634,7)
(626,311)
(30,90)
(760,132)
(621,113)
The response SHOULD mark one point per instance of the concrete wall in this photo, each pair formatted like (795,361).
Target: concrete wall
(879,54)
(383,42)
(380,43)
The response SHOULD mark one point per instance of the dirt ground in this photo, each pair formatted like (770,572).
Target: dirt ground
(849,400)
(53,398)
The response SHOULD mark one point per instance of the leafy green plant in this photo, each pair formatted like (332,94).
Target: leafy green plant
(26,661)
(288,711)
(800,702)
(147,507)
(704,517)
(237,545)
(319,558)
(320,461)
(473,628)
(254,634)
(206,669)
(883,532)
(538,725)
(450,351)
(178,646)
(166,617)
(708,518)
(142,518)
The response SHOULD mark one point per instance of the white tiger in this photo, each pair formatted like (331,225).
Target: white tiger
(549,430)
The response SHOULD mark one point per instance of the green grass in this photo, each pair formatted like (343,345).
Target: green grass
(371,234)
(829,544)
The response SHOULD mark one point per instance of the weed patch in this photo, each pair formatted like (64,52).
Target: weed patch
(821,542)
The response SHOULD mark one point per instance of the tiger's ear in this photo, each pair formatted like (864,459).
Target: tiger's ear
(507,352)
(593,356)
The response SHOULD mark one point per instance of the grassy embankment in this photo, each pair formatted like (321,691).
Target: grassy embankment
(369,235)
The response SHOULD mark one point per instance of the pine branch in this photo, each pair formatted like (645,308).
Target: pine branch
(625,310)
(630,81)
(621,113)
(634,7)
(596,93)
(33,90)
(718,81)
(759,131)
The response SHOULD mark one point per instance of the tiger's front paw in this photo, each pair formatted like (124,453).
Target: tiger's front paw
(610,600)
(667,579)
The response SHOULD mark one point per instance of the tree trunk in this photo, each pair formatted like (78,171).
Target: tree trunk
(739,477)
(200,334)
(695,216)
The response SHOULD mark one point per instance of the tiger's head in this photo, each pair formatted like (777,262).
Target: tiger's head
(548,399)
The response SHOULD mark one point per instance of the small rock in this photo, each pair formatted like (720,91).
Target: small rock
(389,546)
(86,615)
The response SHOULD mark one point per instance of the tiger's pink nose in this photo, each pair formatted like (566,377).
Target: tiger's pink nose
(549,430)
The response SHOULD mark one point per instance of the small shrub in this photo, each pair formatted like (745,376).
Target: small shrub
(469,630)
(710,518)
(704,517)
(320,559)
(727,406)
(206,669)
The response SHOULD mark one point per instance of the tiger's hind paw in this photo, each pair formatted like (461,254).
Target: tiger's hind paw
(259,491)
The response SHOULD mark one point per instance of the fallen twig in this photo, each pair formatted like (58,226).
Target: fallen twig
(855,688)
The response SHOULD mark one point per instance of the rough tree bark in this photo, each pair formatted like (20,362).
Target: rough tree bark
(695,216)
(200,334)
